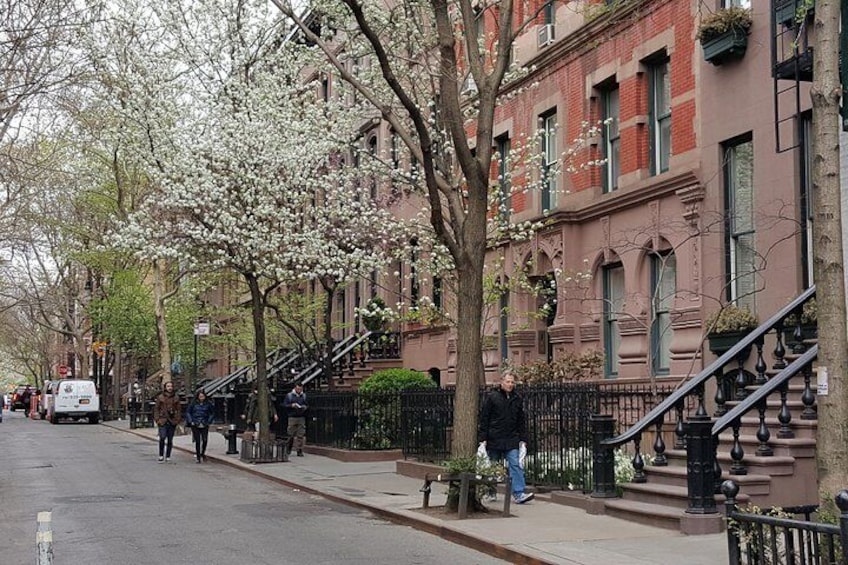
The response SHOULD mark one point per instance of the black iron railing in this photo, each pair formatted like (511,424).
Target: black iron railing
(732,383)
(776,535)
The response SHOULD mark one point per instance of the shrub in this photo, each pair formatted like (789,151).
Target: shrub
(390,380)
(570,367)
(731,319)
(722,21)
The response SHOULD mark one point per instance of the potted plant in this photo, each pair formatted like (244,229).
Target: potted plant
(727,326)
(724,34)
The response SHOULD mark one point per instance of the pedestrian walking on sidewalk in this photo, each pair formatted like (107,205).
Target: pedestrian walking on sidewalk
(503,433)
(167,413)
(295,405)
(199,416)
(251,411)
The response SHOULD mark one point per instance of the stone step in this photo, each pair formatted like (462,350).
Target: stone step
(665,517)
(673,496)
(775,465)
(675,476)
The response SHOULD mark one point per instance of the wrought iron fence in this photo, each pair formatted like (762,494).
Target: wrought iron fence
(560,450)
(420,422)
(784,535)
(427,424)
(350,420)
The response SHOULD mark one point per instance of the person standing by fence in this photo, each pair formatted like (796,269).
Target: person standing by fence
(295,405)
(503,433)
(199,416)
(167,413)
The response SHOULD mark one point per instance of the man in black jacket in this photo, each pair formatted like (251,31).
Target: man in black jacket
(503,432)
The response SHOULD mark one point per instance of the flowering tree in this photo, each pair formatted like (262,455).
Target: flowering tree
(244,161)
(434,71)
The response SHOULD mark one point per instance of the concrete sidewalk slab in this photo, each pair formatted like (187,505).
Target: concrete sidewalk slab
(541,532)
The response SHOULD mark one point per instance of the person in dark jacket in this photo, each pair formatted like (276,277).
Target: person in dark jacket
(251,411)
(199,416)
(295,405)
(167,413)
(503,432)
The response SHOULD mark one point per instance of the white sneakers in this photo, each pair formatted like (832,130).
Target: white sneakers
(523,497)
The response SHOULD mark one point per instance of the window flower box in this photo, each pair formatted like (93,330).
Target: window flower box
(724,34)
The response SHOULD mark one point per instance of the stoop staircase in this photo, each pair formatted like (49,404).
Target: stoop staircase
(760,431)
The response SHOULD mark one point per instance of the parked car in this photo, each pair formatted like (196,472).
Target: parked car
(17,397)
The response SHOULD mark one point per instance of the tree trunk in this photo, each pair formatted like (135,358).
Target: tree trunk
(161,324)
(470,372)
(829,271)
(257,307)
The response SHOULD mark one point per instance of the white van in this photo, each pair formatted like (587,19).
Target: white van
(74,398)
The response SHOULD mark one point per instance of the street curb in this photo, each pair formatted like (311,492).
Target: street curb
(441,530)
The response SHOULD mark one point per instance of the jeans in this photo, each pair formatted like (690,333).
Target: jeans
(516,473)
(201,438)
(166,437)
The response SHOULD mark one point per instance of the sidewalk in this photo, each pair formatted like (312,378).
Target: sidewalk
(540,532)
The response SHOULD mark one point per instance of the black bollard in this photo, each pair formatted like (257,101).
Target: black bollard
(700,456)
(603,469)
(231,440)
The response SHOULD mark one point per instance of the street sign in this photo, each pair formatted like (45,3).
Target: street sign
(63,370)
(201,328)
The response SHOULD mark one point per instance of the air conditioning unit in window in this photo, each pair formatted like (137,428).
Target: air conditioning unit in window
(469,87)
(546,34)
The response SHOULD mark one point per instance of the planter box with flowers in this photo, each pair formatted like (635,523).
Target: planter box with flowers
(728,326)
(724,34)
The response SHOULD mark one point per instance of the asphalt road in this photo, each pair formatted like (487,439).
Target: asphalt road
(113,503)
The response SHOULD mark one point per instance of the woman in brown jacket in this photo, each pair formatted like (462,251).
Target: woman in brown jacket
(167,413)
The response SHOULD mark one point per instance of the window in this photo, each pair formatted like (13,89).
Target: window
(414,290)
(611,138)
(807,196)
(504,323)
(613,281)
(736,4)
(372,151)
(504,197)
(663,289)
(549,13)
(437,293)
(547,128)
(372,285)
(341,312)
(741,253)
(660,119)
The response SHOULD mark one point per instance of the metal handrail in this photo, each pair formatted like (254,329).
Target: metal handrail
(218,384)
(765,390)
(680,394)
(316,371)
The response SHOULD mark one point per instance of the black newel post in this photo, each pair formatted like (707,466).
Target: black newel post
(700,467)
(842,504)
(730,490)
(603,469)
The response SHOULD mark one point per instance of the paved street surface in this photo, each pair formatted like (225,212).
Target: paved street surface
(112,503)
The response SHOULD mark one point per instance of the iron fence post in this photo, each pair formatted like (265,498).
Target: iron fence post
(700,465)
(842,504)
(603,468)
(730,490)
